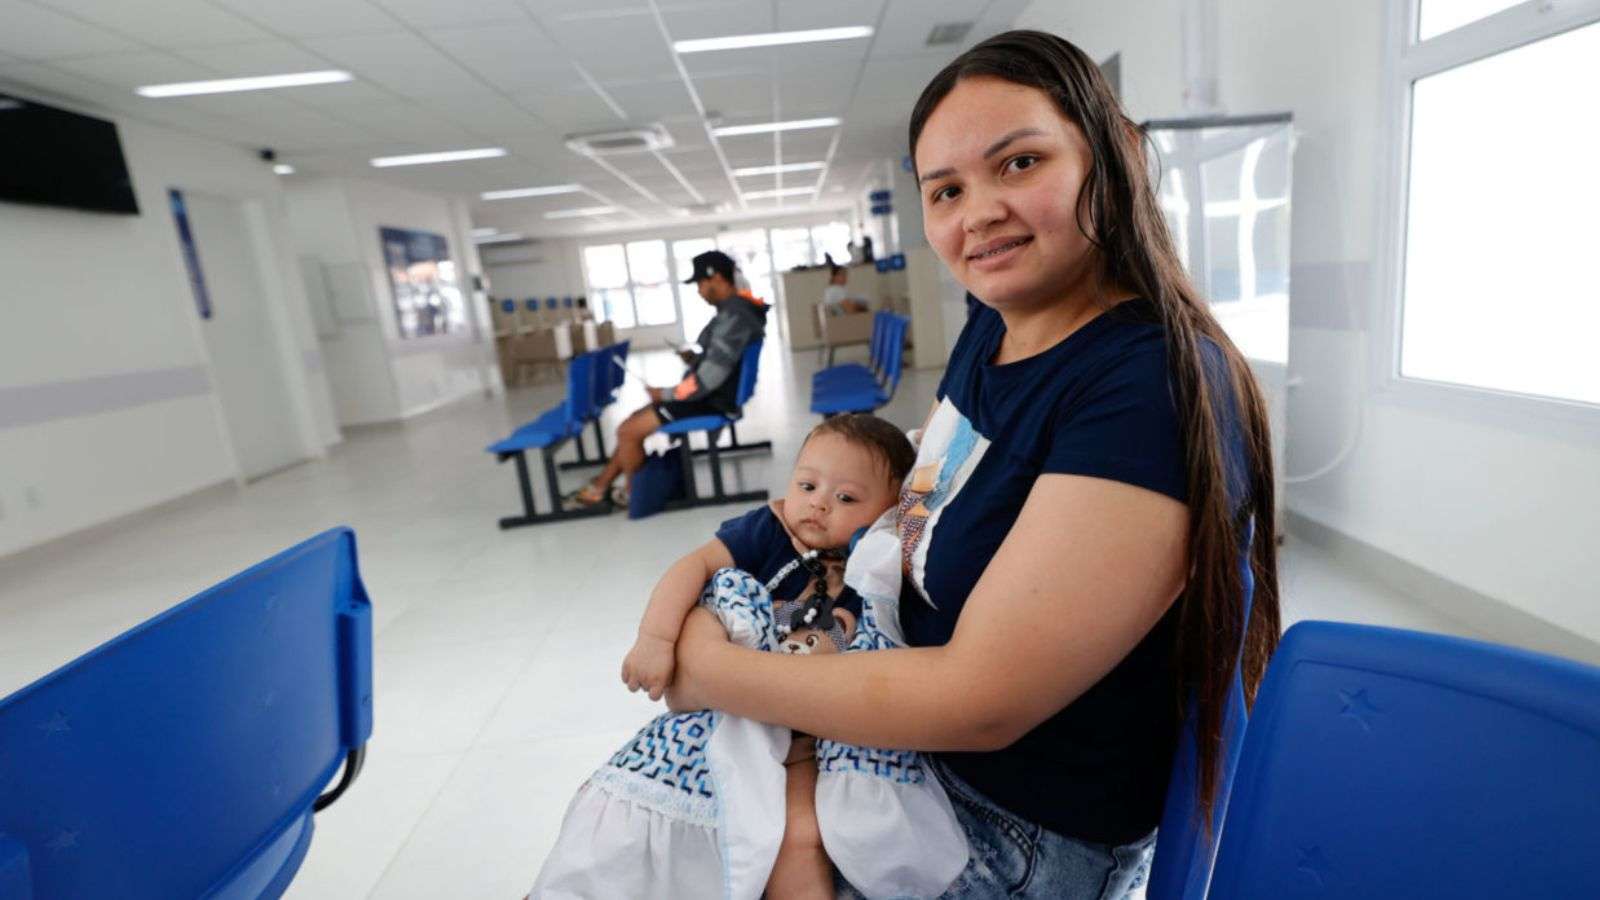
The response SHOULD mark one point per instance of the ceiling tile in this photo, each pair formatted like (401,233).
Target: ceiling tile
(906,26)
(649,102)
(736,95)
(131,70)
(570,111)
(258,58)
(596,43)
(827,14)
(399,61)
(168,24)
(830,89)
(338,98)
(717,20)
(514,57)
(314,18)
(35,33)
(45,83)
(486,113)
(438,13)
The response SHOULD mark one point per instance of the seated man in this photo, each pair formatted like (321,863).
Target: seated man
(836,300)
(712,381)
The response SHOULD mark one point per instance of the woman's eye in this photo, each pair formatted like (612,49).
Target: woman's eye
(1021,163)
(948,192)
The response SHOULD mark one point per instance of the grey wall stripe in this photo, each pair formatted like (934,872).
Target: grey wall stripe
(34,404)
(312,360)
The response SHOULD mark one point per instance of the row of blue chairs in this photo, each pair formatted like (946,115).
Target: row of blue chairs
(593,379)
(857,388)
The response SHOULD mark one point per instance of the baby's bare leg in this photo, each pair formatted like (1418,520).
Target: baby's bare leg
(802,869)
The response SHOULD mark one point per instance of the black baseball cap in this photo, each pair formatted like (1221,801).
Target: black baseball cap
(709,263)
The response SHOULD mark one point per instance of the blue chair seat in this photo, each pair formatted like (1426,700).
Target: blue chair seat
(854,388)
(854,401)
(696,423)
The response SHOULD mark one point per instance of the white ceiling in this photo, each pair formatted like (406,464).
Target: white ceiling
(522,74)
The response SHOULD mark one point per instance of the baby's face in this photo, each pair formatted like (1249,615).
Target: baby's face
(837,488)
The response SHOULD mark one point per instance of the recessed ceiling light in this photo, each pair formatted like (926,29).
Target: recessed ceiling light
(772,39)
(417,159)
(769,127)
(784,192)
(774,170)
(497,238)
(229,85)
(283,169)
(580,211)
(545,191)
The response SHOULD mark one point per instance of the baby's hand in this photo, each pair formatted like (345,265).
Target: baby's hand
(648,666)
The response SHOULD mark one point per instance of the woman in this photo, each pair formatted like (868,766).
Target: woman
(1083,492)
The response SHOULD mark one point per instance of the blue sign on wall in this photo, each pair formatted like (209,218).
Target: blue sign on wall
(191,256)
(879,196)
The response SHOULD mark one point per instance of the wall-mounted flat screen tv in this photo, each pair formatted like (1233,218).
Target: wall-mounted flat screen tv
(53,157)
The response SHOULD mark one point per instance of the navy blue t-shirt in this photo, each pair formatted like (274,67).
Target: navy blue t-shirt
(760,546)
(1099,404)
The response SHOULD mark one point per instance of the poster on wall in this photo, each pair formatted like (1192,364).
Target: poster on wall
(424,282)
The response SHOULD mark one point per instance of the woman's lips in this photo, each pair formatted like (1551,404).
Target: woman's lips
(996,254)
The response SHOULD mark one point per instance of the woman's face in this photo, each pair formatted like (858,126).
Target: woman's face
(1000,172)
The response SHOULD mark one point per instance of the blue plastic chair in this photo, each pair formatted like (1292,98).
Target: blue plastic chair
(712,426)
(1185,848)
(610,373)
(852,397)
(185,757)
(1388,763)
(856,374)
(546,435)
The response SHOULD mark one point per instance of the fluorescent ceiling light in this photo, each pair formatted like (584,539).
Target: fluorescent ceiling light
(229,85)
(417,159)
(545,191)
(283,169)
(497,238)
(580,211)
(774,170)
(769,127)
(785,192)
(484,232)
(772,39)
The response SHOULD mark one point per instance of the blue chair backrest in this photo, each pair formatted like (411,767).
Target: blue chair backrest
(183,758)
(1185,849)
(749,367)
(508,305)
(875,357)
(894,350)
(532,304)
(1388,763)
(566,302)
(551,303)
(581,403)
(618,373)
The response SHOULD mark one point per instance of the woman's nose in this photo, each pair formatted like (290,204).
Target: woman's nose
(984,208)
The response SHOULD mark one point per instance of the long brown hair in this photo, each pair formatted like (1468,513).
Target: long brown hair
(1131,238)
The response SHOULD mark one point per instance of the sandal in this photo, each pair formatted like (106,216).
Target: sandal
(585,497)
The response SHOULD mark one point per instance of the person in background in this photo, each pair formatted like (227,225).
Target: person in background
(711,384)
(836,300)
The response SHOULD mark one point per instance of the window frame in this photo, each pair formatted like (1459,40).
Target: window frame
(1407,60)
(627,264)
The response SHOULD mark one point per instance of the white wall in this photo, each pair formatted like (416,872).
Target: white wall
(376,375)
(106,401)
(1506,505)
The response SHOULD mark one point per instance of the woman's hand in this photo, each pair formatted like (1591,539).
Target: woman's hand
(699,644)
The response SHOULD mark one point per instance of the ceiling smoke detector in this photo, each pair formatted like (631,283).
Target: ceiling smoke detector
(627,140)
(948,33)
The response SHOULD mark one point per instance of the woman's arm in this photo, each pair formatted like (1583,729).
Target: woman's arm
(1087,570)
(649,665)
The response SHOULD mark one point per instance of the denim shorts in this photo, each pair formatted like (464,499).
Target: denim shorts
(1015,858)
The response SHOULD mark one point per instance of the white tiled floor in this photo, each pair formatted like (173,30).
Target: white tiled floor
(496,652)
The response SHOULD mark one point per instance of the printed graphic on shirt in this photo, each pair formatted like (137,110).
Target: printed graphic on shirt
(951,449)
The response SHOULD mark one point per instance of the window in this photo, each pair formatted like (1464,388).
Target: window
(1500,191)
(753,257)
(832,239)
(1435,17)
(631,285)
(791,247)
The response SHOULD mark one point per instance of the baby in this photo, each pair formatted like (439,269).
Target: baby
(847,475)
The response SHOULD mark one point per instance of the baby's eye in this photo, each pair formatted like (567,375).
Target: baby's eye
(845,498)
(1021,163)
(806,486)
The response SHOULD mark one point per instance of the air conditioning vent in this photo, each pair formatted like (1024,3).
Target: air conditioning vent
(948,33)
(624,141)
